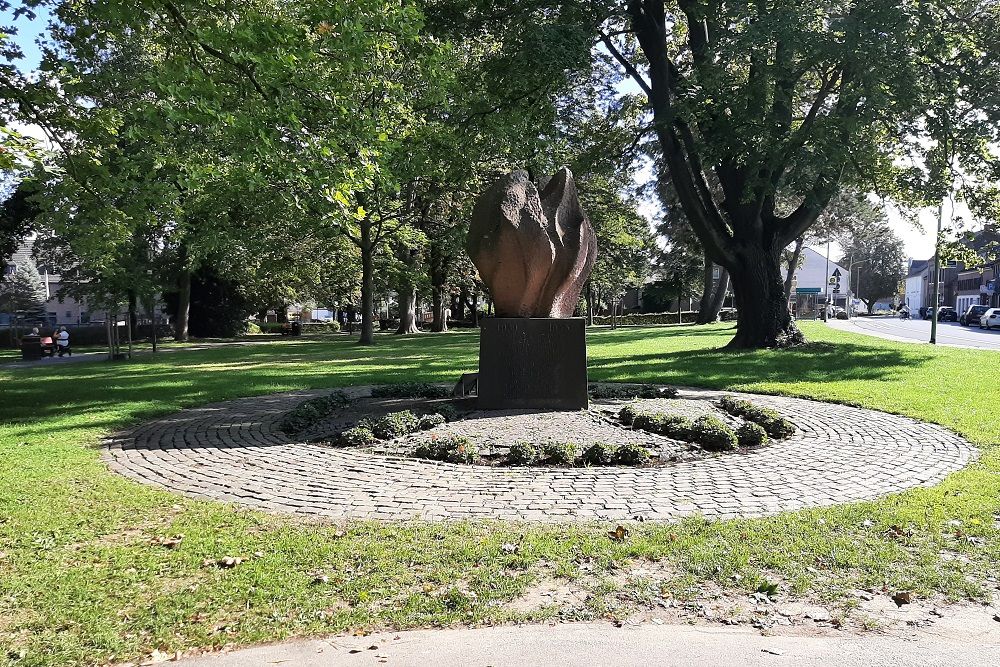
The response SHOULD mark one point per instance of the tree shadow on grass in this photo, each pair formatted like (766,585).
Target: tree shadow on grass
(717,368)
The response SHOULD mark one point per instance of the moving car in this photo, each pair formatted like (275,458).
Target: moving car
(990,319)
(972,315)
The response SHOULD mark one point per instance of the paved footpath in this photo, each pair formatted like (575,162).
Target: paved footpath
(601,644)
(949,334)
(233,452)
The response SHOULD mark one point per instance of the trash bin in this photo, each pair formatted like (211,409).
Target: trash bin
(31,348)
(296,328)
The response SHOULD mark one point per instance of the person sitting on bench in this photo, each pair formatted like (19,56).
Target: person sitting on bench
(62,340)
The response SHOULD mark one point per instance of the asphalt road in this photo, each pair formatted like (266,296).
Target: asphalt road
(919,331)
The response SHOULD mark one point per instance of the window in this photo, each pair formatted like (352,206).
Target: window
(69,313)
(10,269)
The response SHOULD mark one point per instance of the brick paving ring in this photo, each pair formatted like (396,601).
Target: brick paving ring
(234,452)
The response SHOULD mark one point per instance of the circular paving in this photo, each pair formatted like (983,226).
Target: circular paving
(233,452)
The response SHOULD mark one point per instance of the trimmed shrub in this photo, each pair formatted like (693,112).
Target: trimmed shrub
(631,454)
(522,454)
(446,410)
(713,434)
(750,434)
(395,424)
(410,390)
(427,422)
(307,413)
(771,420)
(645,421)
(599,454)
(677,427)
(455,449)
(628,414)
(652,391)
(559,453)
(357,436)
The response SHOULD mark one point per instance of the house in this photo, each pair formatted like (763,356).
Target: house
(60,311)
(811,284)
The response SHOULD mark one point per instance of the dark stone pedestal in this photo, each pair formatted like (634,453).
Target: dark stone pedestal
(533,363)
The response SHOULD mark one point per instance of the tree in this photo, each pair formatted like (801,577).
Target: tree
(17,215)
(23,293)
(879,260)
(790,97)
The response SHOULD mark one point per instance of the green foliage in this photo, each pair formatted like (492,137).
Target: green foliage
(677,427)
(452,449)
(559,453)
(357,436)
(410,390)
(713,434)
(395,425)
(631,454)
(750,435)
(23,291)
(775,425)
(522,454)
(628,414)
(309,412)
(599,454)
(429,421)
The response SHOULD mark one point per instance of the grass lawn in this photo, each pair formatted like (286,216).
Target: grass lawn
(82,583)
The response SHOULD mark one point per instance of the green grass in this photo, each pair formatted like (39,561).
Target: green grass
(81,583)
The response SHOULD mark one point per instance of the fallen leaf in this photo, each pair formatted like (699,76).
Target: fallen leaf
(168,542)
(373,647)
(772,651)
(618,534)
(902,597)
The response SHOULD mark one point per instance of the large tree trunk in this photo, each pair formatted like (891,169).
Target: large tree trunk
(793,263)
(183,305)
(719,299)
(133,312)
(764,320)
(407,309)
(367,285)
(439,278)
(707,293)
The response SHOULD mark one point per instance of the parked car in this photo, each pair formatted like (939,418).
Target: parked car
(972,315)
(990,319)
(947,314)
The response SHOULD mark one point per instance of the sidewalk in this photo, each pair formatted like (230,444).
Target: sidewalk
(602,644)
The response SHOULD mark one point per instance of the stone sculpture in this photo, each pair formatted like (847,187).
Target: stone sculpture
(533,245)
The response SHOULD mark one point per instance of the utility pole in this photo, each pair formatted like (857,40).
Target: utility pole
(937,276)
(826,307)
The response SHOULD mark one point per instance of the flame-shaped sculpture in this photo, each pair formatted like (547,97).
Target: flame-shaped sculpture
(534,250)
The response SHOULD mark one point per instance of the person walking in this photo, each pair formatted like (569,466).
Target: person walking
(62,342)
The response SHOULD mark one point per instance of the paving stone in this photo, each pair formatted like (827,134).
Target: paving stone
(234,452)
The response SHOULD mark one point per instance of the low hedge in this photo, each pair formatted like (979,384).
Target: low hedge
(644,319)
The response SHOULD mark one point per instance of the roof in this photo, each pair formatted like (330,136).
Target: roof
(917,266)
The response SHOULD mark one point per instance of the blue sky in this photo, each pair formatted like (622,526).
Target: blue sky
(27,32)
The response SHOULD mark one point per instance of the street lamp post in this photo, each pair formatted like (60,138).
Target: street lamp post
(937,276)
(850,294)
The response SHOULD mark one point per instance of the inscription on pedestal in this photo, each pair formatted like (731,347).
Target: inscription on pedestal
(533,363)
